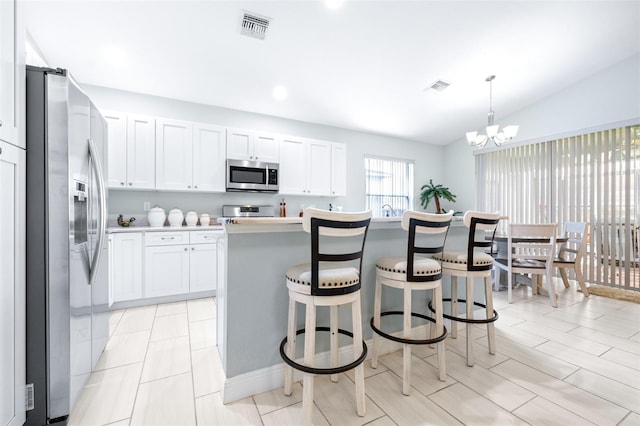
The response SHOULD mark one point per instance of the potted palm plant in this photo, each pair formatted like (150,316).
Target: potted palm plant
(435,192)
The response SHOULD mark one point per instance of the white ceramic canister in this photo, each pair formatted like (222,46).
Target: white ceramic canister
(175,217)
(204,219)
(191,218)
(156,216)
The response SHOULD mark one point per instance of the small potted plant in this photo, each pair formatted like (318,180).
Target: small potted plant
(435,192)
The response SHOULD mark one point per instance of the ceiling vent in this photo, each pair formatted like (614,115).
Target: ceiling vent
(254,25)
(438,86)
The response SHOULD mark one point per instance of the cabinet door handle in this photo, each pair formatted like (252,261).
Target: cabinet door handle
(0,148)
(122,183)
(193,249)
(167,238)
(196,186)
(185,249)
(0,123)
(130,183)
(188,186)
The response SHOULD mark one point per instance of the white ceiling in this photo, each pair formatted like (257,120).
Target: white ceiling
(363,66)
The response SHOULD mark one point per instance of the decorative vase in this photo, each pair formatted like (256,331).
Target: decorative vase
(156,216)
(175,217)
(204,219)
(191,218)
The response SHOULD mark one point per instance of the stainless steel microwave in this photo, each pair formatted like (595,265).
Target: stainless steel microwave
(253,176)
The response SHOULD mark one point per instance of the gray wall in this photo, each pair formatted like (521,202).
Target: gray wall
(428,158)
(605,98)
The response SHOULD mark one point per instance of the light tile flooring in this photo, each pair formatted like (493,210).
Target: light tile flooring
(575,365)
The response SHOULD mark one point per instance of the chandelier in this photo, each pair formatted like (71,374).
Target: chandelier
(493,130)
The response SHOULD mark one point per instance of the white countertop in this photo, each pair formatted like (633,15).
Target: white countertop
(134,228)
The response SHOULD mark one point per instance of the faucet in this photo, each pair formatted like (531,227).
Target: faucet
(388,210)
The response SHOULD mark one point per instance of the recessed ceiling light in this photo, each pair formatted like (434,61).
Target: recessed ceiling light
(333,4)
(116,57)
(280,93)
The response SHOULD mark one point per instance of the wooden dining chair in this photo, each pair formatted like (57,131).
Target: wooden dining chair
(530,250)
(570,254)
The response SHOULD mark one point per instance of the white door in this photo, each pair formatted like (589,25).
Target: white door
(126,266)
(338,169)
(117,149)
(266,148)
(141,149)
(239,144)
(12,288)
(203,267)
(292,178)
(319,168)
(174,154)
(166,270)
(209,151)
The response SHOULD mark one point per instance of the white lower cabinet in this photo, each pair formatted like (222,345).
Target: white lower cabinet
(145,265)
(125,261)
(166,270)
(202,267)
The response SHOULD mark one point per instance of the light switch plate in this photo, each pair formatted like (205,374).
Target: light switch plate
(147,206)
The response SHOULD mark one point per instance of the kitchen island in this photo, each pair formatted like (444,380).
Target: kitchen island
(252,296)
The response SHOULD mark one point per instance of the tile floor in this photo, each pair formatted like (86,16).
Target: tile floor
(578,364)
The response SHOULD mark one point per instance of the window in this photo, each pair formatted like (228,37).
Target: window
(388,185)
(593,178)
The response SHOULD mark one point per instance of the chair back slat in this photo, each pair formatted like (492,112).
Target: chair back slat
(434,225)
(334,224)
(531,246)
(479,221)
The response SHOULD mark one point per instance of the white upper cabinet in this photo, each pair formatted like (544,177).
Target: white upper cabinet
(208,157)
(12,73)
(338,169)
(174,154)
(116,149)
(190,156)
(131,148)
(252,146)
(305,166)
(319,168)
(292,179)
(141,152)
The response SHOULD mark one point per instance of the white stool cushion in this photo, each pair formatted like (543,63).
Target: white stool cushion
(330,275)
(458,259)
(395,267)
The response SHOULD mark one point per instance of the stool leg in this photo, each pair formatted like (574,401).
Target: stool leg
(437,304)
(491,335)
(406,348)
(291,347)
(469,326)
(334,339)
(356,318)
(376,321)
(454,306)
(309,360)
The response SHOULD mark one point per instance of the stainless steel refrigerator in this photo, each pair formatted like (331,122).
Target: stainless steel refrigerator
(67,281)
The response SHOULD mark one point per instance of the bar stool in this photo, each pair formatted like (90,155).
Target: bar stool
(411,272)
(471,264)
(327,281)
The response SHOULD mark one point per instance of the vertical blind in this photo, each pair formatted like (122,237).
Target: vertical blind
(388,185)
(593,178)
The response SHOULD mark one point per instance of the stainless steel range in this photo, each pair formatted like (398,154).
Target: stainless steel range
(247,211)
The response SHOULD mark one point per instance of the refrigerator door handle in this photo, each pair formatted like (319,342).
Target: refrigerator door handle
(102,222)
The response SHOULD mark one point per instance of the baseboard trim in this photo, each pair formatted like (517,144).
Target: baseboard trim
(269,378)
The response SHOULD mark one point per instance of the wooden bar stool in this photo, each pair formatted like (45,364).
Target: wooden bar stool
(410,272)
(472,263)
(327,281)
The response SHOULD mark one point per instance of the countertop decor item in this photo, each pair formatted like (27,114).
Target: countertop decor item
(156,216)
(124,222)
(204,219)
(435,192)
(175,217)
(191,218)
